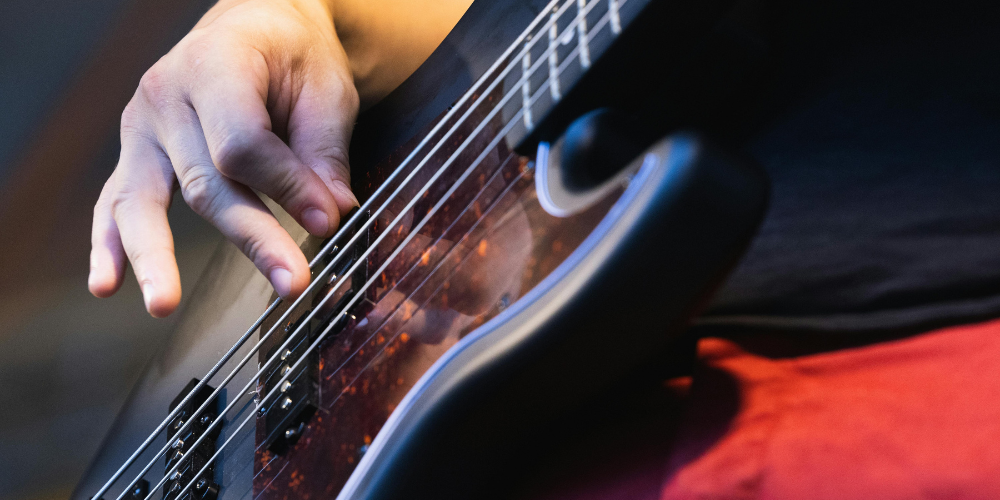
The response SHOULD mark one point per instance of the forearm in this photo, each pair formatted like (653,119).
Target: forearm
(386,40)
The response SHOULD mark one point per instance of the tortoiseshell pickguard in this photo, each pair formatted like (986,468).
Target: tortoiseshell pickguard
(486,246)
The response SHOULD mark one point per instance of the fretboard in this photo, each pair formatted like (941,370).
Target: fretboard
(557,54)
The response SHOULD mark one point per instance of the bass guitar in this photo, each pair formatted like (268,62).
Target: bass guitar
(533,227)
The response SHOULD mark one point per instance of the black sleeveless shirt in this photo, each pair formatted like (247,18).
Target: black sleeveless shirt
(885,167)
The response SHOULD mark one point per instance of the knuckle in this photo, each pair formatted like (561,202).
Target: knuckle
(104,201)
(138,255)
(349,98)
(121,204)
(103,206)
(197,51)
(255,249)
(134,124)
(200,192)
(126,200)
(193,47)
(144,257)
(291,26)
(235,151)
(156,87)
(289,187)
(337,156)
(131,118)
(130,195)
(330,159)
(342,90)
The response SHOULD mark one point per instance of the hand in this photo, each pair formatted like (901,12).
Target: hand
(258,96)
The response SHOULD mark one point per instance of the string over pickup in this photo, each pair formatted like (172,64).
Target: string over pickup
(182,440)
(296,388)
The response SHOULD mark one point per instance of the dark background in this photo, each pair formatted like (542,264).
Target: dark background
(67,359)
(879,127)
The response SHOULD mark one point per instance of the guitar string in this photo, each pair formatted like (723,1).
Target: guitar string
(272,392)
(353,219)
(491,206)
(294,367)
(597,27)
(361,261)
(350,305)
(267,364)
(327,248)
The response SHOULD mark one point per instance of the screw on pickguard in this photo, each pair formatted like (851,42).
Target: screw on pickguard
(285,416)
(139,491)
(180,443)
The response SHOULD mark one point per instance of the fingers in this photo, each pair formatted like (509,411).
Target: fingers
(231,207)
(320,126)
(232,112)
(107,257)
(143,185)
(202,118)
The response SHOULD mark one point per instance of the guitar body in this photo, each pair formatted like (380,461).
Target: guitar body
(483,294)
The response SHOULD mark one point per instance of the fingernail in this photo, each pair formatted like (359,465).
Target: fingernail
(94,266)
(345,191)
(147,293)
(281,279)
(315,221)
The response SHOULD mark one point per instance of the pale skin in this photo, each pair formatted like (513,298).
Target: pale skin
(261,96)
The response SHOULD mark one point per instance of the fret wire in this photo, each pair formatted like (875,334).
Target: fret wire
(398,249)
(554,59)
(295,366)
(616,20)
(320,338)
(581,31)
(531,70)
(582,48)
(526,89)
(327,248)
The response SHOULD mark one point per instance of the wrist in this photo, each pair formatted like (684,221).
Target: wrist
(315,10)
(387,40)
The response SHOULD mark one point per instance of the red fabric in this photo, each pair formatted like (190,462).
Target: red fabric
(913,418)
(907,419)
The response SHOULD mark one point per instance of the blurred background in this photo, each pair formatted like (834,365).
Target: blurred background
(884,110)
(67,359)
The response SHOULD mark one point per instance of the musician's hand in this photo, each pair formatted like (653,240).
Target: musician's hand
(259,96)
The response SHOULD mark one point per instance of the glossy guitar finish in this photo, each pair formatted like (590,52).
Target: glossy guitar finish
(481,252)
(486,313)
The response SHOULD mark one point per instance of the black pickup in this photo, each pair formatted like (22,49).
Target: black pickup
(286,415)
(204,486)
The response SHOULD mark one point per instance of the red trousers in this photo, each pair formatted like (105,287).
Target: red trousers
(903,419)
